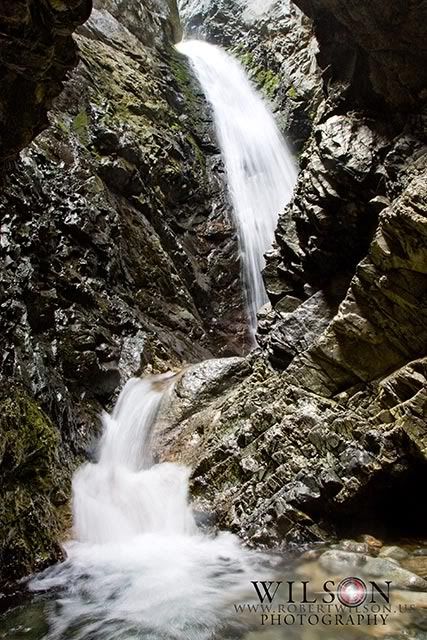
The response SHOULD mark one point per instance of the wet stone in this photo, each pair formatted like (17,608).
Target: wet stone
(394,552)
(353,546)
(379,568)
(342,561)
(373,543)
(417,564)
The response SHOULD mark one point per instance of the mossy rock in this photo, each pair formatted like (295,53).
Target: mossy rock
(265,79)
(30,475)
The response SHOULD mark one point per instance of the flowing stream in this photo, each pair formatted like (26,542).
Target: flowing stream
(139,568)
(260,170)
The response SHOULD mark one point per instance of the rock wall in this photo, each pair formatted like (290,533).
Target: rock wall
(375,51)
(334,440)
(36,51)
(119,257)
(356,229)
(278,464)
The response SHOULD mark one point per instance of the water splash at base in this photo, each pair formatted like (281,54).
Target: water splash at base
(138,566)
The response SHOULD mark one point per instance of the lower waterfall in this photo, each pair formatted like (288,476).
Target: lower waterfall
(138,566)
(261,173)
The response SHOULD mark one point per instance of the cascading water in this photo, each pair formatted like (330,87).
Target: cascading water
(124,494)
(260,170)
(139,567)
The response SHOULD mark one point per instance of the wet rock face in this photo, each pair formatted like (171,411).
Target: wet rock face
(347,279)
(36,51)
(275,43)
(354,227)
(33,474)
(160,19)
(338,438)
(382,321)
(278,464)
(118,252)
(375,50)
(354,232)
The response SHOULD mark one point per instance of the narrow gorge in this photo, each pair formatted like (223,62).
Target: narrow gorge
(213,316)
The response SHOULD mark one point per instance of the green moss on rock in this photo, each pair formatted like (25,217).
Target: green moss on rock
(30,473)
(265,79)
(292,93)
(80,126)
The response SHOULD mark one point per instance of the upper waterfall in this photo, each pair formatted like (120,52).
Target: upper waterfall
(260,170)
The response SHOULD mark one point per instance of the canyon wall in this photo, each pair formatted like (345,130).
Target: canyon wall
(118,253)
(119,258)
(328,434)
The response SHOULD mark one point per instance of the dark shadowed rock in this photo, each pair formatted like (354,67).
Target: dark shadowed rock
(374,50)
(36,51)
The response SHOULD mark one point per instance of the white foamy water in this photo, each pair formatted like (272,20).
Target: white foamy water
(124,494)
(138,567)
(261,173)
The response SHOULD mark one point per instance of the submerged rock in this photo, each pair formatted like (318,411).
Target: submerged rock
(353,546)
(341,562)
(395,553)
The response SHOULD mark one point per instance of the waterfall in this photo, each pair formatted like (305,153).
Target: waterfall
(138,566)
(124,494)
(260,170)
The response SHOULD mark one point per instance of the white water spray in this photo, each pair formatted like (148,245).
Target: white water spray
(260,170)
(124,494)
(138,566)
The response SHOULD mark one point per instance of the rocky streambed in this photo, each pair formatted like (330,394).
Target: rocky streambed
(310,598)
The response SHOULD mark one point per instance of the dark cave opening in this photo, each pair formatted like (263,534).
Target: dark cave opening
(391,506)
